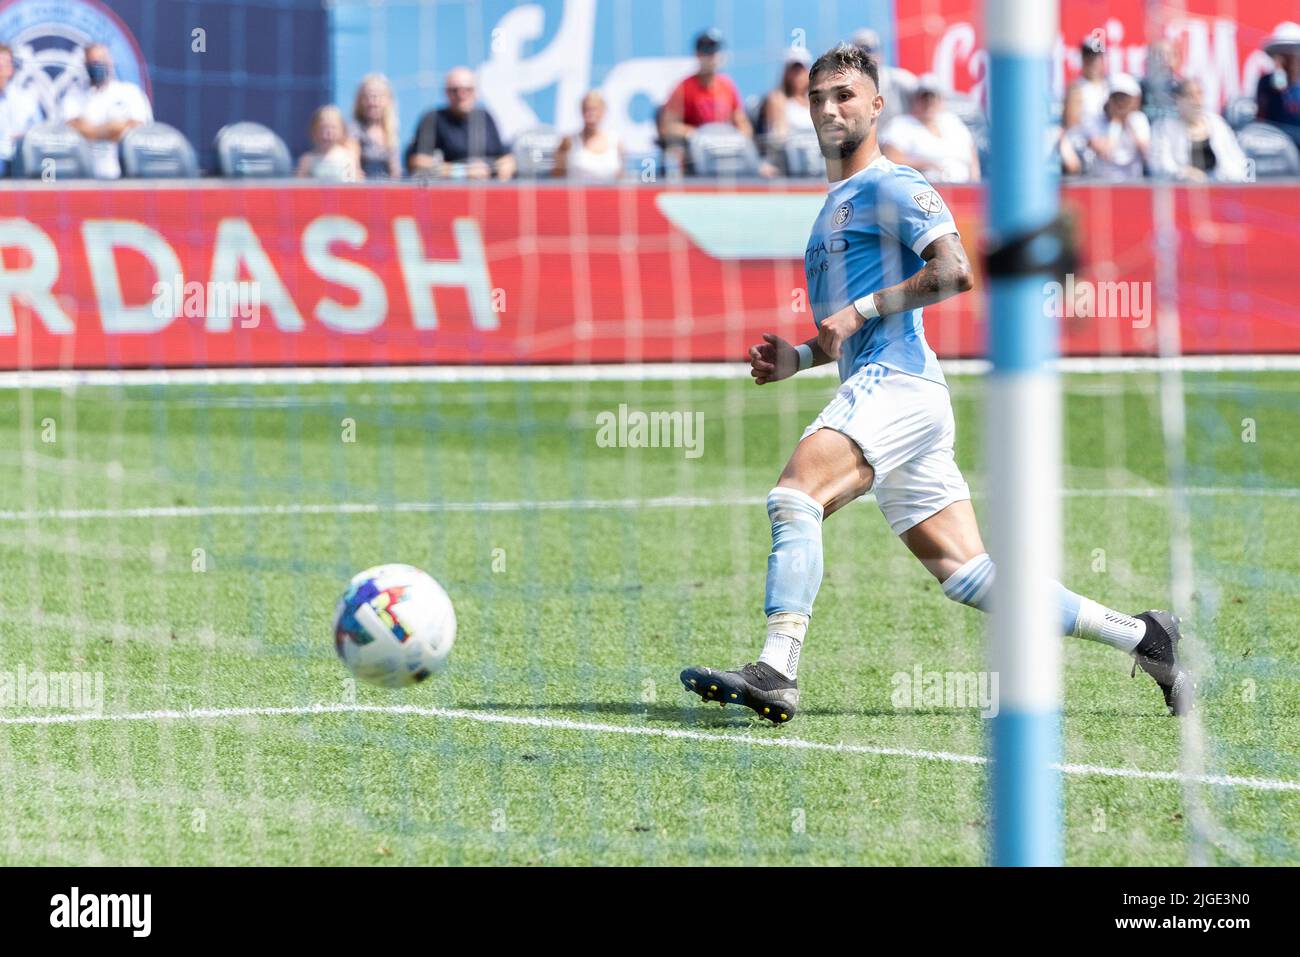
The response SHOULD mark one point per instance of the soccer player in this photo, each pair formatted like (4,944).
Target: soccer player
(883,247)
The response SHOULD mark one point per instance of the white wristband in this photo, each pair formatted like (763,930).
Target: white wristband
(866,306)
(805,355)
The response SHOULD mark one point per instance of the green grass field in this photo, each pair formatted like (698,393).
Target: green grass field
(559,734)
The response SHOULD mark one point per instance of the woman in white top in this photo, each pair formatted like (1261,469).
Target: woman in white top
(593,155)
(332,156)
(931,140)
(1195,145)
(785,109)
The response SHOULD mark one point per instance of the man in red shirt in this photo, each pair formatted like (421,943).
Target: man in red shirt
(706,97)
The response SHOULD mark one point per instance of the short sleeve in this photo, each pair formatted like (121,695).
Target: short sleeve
(676,103)
(72,106)
(911,210)
(1141,125)
(895,134)
(141,111)
(426,135)
(494,146)
(736,102)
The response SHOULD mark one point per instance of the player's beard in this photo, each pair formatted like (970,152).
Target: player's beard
(844,148)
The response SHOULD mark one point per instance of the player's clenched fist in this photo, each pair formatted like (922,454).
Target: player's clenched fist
(836,329)
(772,360)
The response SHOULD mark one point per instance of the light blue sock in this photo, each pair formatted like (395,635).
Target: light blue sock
(794,573)
(1080,617)
(794,568)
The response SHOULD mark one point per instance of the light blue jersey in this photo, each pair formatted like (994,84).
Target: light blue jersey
(870,235)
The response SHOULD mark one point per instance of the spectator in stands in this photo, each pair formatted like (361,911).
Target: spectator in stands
(1121,137)
(1278,94)
(373,130)
(1195,144)
(1164,71)
(333,155)
(1094,88)
(930,139)
(594,154)
(785,109)
(18,111)
(460,140)
(706,96)
(106,111)
(896,84)
(1068,143)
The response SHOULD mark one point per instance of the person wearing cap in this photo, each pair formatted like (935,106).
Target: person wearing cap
(785,109)
(1164,74)
(1277,97)
(896,84)
(1092,84)
(705,96)
(932,140)
(1120,138)
(1194,144)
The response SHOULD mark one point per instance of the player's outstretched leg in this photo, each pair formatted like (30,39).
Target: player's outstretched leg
(1151,637)
(794,573)
(826,471)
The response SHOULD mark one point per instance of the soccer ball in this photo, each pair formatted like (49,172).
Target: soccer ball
(394,626)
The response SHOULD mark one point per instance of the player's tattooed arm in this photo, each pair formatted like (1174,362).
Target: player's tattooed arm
(946,273)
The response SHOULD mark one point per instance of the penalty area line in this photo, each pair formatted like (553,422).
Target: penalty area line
(593,727)
(545,505)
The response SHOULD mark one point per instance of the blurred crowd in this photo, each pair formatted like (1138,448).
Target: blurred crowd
(1110,126)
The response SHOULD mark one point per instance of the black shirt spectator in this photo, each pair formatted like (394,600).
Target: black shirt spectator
(460,139)
(1277,96)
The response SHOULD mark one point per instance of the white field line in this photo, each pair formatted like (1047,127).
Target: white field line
(682,734)
(540,505)
(611,372)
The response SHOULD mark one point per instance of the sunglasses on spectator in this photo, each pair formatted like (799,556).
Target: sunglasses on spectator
(460,89)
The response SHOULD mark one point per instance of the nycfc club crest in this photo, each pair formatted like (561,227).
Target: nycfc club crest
(843,213)
(929,201)
(47,40)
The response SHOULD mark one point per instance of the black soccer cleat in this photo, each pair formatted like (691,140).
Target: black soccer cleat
(758,686)
(1157,654)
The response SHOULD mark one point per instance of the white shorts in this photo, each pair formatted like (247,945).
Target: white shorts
(904,426)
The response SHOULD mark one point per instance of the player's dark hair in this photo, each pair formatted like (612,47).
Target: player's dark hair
(845,58)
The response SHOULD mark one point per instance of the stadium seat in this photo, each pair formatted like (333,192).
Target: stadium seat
(1273,153)
(251,150)
(719,149)
(802,155)
(1240,111)
(158,151)
(56,147)
(534,152)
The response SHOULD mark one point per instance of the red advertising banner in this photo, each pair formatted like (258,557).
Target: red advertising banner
(1216,41)
(213,275)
